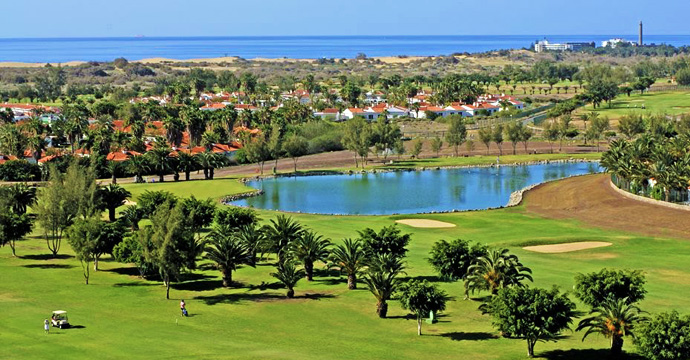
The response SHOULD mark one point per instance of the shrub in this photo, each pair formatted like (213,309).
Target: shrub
(19,170)
(235,217)
(683,77)
(596,288)
(451,259)
(665,337)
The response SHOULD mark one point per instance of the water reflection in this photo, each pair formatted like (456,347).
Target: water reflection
(406,192)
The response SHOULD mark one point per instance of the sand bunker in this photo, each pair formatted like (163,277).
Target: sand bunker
(425,223)
(569,247)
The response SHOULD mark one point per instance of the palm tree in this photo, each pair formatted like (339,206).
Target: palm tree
(138,164)
(159,159)
(205,161)
(209,139)
(253,238)
(281,232)
(497,270)
(115,168)
(227,252)
(112,197)
(614,319)
(22,197)
(174,129)
(288,275)
(187,163)
(76,122)
(349,257)
(217,161)
(132,215)
(382,285)
(308,249)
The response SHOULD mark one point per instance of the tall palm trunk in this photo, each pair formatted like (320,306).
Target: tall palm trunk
(227,277)
(309,270)
(382,308)
(351,281)
(113,180)
(166,281)
(616,345)
(419,326)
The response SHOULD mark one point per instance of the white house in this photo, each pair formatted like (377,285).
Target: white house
(329,114)
(366,113)
(457,109)
(376,97)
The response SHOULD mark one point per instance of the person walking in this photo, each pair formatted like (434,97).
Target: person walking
(183,307)
(46,326)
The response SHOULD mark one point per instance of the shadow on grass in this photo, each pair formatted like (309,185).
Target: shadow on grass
(194,277)
(46,257)
(131,271)
(48,266)
(429,278)
(266,286)
(577,354)
(135,284)
(405,317)
(77,327)
(331,281)
(469,336)
(235,298)
(201,285)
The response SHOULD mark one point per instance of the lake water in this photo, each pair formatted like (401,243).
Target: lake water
(406,192)
(302,47)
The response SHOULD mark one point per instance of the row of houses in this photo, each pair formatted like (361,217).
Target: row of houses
(489,105)
(419,108)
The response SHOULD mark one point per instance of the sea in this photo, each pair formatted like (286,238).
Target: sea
(60,50)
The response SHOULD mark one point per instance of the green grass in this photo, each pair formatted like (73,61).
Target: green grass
(124,316)
(215,189)
(672,103)
(487,160)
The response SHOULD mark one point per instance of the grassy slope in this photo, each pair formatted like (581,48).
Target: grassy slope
(488,160)
(672,103)
(201,189)
(125,316)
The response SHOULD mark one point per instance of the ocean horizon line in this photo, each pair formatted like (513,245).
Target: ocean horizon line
(164,37)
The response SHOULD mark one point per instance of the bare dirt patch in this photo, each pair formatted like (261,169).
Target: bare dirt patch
(568,247)
(425,223)
(591,199)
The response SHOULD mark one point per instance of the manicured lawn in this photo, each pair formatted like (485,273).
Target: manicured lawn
(672,103)
(202,189)
(120,315)
(488,160)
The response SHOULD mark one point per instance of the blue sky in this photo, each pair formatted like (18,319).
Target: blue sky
(105,18)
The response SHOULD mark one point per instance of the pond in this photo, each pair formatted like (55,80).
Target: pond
(406,192)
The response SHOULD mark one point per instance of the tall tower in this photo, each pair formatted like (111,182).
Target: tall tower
(639,42)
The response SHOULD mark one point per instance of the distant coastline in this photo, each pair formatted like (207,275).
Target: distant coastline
(208,61)
(74,50)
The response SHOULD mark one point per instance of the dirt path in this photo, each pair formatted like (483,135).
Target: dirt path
(591,200)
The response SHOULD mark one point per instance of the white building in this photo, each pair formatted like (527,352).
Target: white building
(545,45)
(617,41)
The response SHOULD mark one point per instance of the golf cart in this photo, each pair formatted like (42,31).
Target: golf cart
(59,319)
